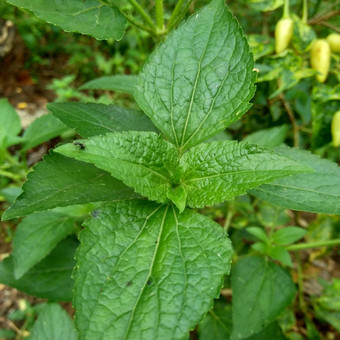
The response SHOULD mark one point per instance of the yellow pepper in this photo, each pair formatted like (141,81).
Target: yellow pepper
(334,41)
(283,34)
(335,128)
(320,58)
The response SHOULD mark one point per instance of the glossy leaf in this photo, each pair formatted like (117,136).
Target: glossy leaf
(200,80)
(36,236)
(90,119)
(41,130)
(92,17)
(10,124)
(231,168)
(146,272)
(261,290)
(317,192)
(53,323)
(50,278)
(60,181)
(118,83)
(142,160)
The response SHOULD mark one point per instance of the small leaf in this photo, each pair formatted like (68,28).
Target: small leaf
(90,119)
(28,247)
(146,272)
(268,138)
(258,233)
(200,80)
(50,278)
(231,168)
(53,323)
(92,17)
(118,83)
(288,235)
(261,290)
(317,192)
(10,124)
(41,130)
(280,254)
(60,181)
(142,160)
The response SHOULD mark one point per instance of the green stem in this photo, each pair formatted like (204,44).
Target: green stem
(144,15)
(135,23)
(317,244)
(300,284)
(159,14)
(181,16)
(176,12)
(305,12)
(230,214)
(286,10)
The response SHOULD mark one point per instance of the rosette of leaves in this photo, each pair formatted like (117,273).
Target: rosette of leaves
(150,268)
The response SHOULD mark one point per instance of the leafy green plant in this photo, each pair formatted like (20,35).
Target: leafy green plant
(149,265)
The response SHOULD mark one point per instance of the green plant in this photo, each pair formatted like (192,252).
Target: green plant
(150,268)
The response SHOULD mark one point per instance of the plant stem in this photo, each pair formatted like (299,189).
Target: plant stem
(286,10)
(135,23)
(300,284)
(159,14)
(176,12)
(317,244)
(230,214)
(304,12)
(181,16)
(144,15)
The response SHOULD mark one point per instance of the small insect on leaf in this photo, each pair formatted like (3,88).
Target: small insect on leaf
(81,145)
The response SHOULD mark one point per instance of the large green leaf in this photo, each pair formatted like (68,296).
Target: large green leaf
(10,124)
(317,192)
(142,160)
(261,290)
(60,181)
(200,80)
(41,130)
(146,272)
(231,168)
(50,278)
(90,119)
(119,83)
(92,17)
(36,236)
(53,323)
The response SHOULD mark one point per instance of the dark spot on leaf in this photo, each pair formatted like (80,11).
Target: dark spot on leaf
(129,283)
(149,282)
(95,213)
(81,145)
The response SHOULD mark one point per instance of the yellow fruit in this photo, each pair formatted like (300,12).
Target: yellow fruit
(320,58)
(335,128)
(283,34)
(334,42)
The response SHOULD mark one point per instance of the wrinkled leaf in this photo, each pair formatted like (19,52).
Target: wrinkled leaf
(146,272)
(90,119)
(200,80)
(60,181)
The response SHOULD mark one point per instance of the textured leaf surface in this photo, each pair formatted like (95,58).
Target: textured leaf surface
(36,236)
(60,181)
(219,171)
(200,80)
(41,130)
(142,160)
(90,119)
(261,290)
(118,83)
(50,278)
(53,323)
(317,192)
(146,272)
(10,124)
(92,17)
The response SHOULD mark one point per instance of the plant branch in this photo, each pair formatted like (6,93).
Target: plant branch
(144,15)
(181,16)
(327,24)
(317,244)
(142,27)
(159,14)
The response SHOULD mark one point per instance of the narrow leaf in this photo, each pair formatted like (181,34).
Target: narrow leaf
(90,119)
(53,323)
(10,124)
(200,80)
(41,130)
(118,83)
(231,168)
(317,192)
(60,181)
(50,278)
(146,272)
(92,17)
(261,290)
(36,236)
(142,160)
